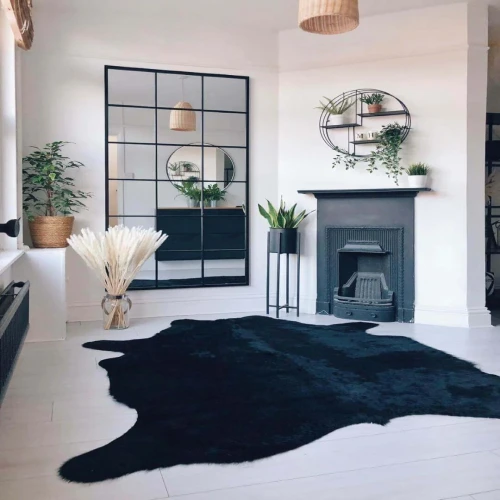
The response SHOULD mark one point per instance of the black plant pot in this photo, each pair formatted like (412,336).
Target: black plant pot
(288,240)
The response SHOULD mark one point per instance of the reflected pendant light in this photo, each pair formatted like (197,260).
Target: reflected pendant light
(328,17)
(182,119)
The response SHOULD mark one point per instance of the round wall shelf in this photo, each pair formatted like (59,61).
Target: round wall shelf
(360,115)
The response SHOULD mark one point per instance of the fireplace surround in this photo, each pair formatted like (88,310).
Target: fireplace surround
(365,253)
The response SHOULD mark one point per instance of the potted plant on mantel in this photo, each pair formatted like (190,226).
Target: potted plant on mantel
(374,102)
(417,175)
(336,111)
(283,226)
(49,195)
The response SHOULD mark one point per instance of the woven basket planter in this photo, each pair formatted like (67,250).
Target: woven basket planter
(328,17)
(183,120)
(51,232)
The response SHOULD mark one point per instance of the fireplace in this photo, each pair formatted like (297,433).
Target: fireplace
(365,254)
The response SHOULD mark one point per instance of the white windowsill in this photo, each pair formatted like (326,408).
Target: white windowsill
(8,257)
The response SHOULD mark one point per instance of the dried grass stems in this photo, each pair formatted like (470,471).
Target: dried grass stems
(116,257)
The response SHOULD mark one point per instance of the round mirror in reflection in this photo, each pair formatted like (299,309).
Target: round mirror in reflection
(185,165)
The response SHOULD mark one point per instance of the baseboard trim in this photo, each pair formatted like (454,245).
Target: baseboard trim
(155,308)
(477,317)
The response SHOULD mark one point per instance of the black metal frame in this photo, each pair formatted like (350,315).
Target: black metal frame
(287,305)
(156,180)
(324,127)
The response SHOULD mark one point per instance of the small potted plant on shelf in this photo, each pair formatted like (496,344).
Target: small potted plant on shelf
(213,194)
(283,225)
(336,112)
(49,195)
(189,189)
(417,175)
(374,102)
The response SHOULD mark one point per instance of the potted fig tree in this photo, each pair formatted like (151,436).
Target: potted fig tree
(373,101)
(49,195)
(283,225)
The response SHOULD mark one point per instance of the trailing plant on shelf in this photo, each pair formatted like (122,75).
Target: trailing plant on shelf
(49,195)
(374,102)
(212,194)
(283,225)
(386,153)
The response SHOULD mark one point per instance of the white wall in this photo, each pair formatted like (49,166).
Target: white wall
(10,185)
(421,56)
(63,99)
(443,83)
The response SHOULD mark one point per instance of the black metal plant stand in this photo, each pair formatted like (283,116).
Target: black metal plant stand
(287,305)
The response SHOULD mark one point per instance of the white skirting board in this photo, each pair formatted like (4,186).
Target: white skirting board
(46,271)
(156,307)
(466,318)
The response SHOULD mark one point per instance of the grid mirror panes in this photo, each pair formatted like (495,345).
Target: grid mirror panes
(177,161)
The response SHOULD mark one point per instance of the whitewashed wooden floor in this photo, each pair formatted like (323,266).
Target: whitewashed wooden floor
(57,407)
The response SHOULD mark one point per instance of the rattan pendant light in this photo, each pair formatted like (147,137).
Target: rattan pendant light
(182,119)
(328,17)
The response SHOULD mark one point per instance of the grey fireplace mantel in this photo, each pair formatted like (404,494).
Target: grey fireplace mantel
(354,193)
(385,217)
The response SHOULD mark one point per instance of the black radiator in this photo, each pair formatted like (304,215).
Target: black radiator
(14,323)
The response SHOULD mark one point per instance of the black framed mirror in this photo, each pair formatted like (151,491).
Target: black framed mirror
(177,161)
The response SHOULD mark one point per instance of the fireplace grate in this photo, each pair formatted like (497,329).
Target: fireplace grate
(365,296)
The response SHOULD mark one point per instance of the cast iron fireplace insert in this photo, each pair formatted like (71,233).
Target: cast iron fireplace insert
(363,292)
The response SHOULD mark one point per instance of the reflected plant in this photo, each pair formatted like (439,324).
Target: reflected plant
(214,193)
(189,189)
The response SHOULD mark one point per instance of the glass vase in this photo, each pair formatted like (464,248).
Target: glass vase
(115,311)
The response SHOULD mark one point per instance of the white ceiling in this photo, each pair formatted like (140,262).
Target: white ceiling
(269,15)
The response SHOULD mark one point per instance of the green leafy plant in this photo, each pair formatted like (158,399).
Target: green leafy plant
(47,189)
(189,189)
(418,169)
(371,99)
(333,109)
(282,218)
(385,154)
(214,193)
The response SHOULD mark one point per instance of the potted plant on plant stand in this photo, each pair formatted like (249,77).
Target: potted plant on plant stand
(374,102)
(336,112)
(283,225)
(49,195)
(417,175)
(213,194)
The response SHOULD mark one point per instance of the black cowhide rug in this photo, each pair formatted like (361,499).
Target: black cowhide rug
(236,390)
